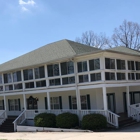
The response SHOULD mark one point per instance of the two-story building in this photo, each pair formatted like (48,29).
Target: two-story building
(68,76)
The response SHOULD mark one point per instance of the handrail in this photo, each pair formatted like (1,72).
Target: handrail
(19,116)
(3,114)
(113,113)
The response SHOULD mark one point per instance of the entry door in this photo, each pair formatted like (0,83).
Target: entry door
(111,102)
(32,103)
(125,100)
(136,97)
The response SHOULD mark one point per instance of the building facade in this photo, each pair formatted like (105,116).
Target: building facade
(68,76)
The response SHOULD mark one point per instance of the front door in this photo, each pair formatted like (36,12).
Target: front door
(111,102)
(32,103)
(136,97)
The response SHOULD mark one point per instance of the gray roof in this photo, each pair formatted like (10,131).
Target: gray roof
(121,49)
(48,53)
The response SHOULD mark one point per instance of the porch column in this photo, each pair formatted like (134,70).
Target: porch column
(24,99)
(5,105)
(78,99)
(48,101)
(128,100)
(104,98)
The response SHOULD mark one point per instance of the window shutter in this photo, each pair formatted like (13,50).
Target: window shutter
(60,102)
(46,105)
(9,104)
(19,104)
(88,101)
(70,103)
(3,104)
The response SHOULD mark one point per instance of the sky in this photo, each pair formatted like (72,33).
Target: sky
(26,25)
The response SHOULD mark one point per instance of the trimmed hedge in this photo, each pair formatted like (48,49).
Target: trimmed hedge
(94,122)
(45,120)
(67,120)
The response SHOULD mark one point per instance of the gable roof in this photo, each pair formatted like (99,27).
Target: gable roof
(48,53)
(121,49)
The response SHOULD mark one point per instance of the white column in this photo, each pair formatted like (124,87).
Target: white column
(102,67)
(128,100)
(5,105)
(78,99)
(48,101)
(104,98)
(24,99)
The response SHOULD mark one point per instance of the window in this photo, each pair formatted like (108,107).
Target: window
(39,72)
(95,77)
(137,65)
(82,66)
(17,76)
(120,64)
(53,70)
(94,64)
(137,76)
(120,76)
(0,79)
(29,85)
(28,74)
(68,80)
(1,88)
(55,104)
(54,82)
(41,83)
(14,105)
(18,86)
(109,76)
(131,76)
(8,87)
(1,104)
(109,63)
(131,65)
(7,78)
(84,102)
(83,78)
(73,102)
(67,68)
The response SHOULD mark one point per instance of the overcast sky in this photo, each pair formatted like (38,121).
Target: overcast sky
(29,24)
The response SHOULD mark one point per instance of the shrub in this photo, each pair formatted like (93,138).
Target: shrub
(45,120)
(94,122)
(67,120)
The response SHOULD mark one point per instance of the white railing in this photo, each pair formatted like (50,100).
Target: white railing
(112,118)
(3,116)
(19,120)
(134,111)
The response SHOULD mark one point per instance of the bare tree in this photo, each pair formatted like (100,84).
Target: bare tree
(91,39)
(128,35)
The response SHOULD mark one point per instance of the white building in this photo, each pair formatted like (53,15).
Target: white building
(68,76)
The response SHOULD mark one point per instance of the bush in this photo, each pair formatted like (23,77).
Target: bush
(45,120)
(94,122)
(67,120)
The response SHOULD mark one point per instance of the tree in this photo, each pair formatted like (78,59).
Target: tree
(91,39)
(127,35)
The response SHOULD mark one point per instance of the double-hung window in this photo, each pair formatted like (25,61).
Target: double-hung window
(17,76)
(120,64)
(55,103)
(109,63)
(82,66)
(14,104)
(67,68)
(28,74)
(94,64)
(53,70)
(39,72)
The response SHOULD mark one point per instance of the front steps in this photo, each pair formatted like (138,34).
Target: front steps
(7,125)
(127,122)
